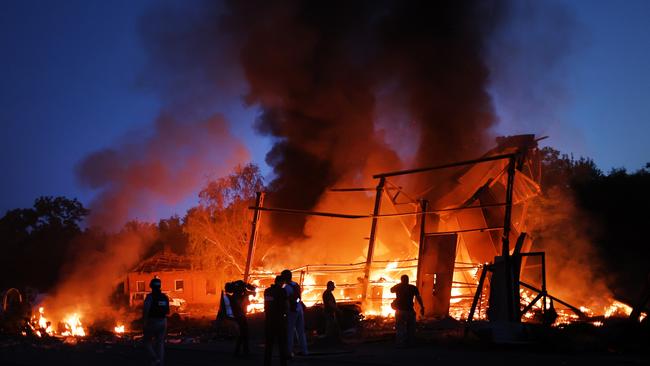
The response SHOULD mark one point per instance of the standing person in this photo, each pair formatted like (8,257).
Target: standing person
(296,318)
(404,313)
(154,314)
(332,330)
(240,292)
(276,308)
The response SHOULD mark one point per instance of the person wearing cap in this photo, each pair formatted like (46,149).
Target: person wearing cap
(154,314)
(332,329)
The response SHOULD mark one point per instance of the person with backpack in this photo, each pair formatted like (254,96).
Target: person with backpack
(154,313)
(296,316)
(239,292)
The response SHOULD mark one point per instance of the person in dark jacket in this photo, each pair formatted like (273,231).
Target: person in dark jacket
(405,314)
(296,316)
(240,291)
(276,307)
(332,329)
(154,313)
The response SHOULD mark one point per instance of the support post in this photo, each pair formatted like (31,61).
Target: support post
(424,204)
(477,294)
(544,283)
(373,237)
(259,201)
(505,249)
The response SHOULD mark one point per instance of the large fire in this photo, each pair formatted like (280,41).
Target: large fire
(461,297)
(468,232)
(473,225)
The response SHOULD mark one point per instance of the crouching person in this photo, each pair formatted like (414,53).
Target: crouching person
(154,313)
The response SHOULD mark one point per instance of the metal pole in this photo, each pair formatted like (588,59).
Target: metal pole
(259,201)
(373,237)
(505,249)
(423,206)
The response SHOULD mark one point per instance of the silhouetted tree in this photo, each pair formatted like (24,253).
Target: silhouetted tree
(171,234)
(35,241)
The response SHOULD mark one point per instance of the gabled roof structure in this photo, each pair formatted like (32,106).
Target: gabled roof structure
(164,262)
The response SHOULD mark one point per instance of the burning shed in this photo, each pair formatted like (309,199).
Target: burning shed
(470,213)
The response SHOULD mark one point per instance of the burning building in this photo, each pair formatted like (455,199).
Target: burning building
(473,216)
(181,281)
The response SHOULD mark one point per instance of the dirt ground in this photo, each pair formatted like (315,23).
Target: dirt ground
(377,352)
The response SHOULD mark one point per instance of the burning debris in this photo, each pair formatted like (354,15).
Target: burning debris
(39,325)
(69,326)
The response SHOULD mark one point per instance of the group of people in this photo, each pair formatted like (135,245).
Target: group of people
(284,316)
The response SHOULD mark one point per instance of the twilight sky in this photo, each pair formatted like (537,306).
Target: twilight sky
(69,87)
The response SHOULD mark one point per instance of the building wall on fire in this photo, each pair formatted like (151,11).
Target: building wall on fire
(195,287)
(480,189)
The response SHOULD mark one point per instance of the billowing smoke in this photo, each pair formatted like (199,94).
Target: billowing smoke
(316,69)
(575,272)
(161,164)
(319,73)
(164,167)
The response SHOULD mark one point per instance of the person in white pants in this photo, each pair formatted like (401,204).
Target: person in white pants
(296,316)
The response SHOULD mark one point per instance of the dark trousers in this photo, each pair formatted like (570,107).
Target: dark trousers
(405,326)
(154,339)
(242,338)
(275,332)
(332,329)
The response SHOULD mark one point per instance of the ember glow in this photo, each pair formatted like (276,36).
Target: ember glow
(73,327)
(618,308)
(119,329)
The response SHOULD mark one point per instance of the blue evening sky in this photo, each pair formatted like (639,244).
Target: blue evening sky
(67,88)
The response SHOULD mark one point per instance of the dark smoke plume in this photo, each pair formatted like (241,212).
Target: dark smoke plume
(315,68)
